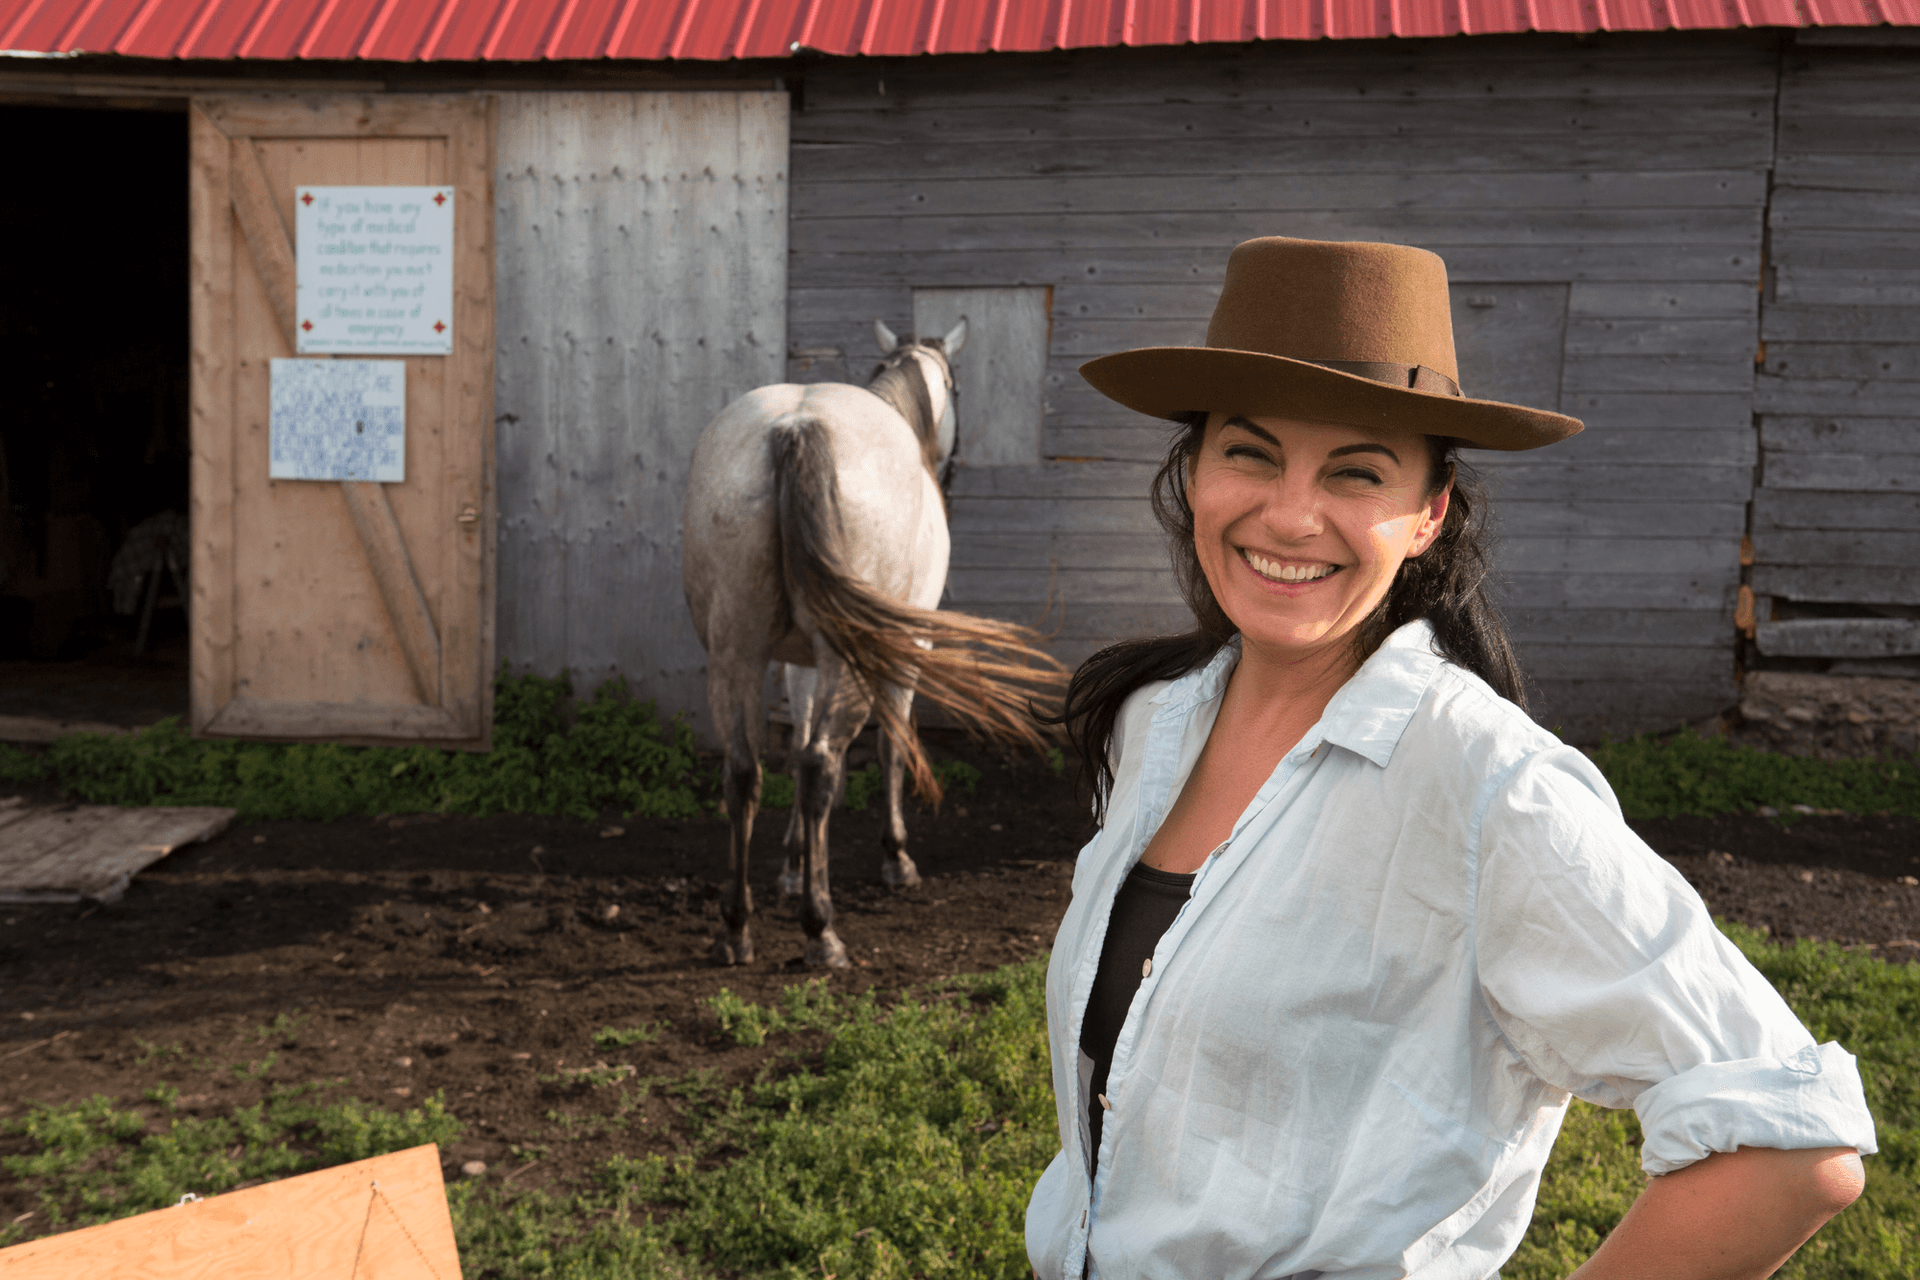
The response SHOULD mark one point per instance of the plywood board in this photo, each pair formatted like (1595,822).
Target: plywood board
(91,851)
(385,1217)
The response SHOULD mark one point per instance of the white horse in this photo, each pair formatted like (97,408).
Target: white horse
(816,536)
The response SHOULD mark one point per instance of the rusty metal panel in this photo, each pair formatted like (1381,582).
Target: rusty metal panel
(712,30)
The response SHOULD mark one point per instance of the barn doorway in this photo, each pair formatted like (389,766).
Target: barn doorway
(94,440)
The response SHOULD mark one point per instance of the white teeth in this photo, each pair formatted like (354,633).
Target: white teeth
(1286,572)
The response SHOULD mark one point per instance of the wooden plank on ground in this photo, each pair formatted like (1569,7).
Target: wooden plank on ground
(385,1217)
(93,851)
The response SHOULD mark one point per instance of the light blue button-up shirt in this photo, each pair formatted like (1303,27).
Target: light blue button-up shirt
(1358,1038)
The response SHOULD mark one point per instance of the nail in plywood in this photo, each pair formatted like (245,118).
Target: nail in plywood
(386,1217)
(91,851)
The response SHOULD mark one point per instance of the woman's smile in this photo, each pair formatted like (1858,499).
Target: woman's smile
(1286,571)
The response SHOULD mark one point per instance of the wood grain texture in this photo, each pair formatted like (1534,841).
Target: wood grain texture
(279,720)
(1838,507)
(642,276)
(392,570)
(1811,509)
(384,1217)
(267,239)
(302,627)
(67,854)
(1839,584)
(210,320)
(1839,638)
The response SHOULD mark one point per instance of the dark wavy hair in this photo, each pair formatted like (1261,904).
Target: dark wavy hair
(1447,585)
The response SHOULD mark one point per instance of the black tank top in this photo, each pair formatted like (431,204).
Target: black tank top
(1142,910)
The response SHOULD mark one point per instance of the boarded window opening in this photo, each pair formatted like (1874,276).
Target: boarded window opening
(1000,372)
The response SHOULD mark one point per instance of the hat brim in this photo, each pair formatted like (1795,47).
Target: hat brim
(1163,381)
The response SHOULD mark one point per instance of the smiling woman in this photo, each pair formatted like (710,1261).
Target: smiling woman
(1354,929)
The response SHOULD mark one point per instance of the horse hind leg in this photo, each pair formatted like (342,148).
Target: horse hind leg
(896,868)
(819,769)
(735,702)
(800,683)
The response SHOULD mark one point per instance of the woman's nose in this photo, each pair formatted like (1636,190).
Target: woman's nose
(1293,509)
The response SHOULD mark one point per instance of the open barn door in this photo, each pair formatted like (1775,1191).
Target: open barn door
(348,611)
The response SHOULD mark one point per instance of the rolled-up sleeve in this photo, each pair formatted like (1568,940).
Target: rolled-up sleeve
(1605,973)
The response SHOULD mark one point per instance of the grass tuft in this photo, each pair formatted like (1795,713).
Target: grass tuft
(1690,775)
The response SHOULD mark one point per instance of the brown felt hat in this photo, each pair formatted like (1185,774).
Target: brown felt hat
(1325,331)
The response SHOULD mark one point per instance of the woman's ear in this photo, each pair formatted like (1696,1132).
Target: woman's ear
(1431,521)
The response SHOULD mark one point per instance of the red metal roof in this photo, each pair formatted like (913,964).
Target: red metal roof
(529,30)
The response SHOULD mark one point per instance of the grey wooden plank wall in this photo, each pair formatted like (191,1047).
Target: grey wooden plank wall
(1836,519)
(641,285)
(1600,208)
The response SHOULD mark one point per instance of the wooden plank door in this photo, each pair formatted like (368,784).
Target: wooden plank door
(348,612)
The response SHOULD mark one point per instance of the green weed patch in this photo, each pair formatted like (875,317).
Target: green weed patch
(1690,775)
(93,1162)
(617,754)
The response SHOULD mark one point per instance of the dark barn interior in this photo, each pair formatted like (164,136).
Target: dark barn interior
(94,430)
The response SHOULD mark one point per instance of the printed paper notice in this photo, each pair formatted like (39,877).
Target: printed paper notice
(338,420)
(374,268)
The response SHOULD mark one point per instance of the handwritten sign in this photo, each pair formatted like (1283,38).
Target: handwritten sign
(338,420)
(374,270)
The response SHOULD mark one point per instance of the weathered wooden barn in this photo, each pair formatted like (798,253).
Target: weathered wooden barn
(1696,227)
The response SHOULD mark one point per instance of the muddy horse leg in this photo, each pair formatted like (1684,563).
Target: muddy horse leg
(818,772)
(896,868)
(733,692)
(800,683)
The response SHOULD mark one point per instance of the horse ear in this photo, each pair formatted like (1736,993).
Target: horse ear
(884,336)
(956,338)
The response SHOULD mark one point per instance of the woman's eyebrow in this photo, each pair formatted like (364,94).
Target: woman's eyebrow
(1245,425)
(1346,449)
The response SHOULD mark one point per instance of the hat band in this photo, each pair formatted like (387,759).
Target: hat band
(1415,377)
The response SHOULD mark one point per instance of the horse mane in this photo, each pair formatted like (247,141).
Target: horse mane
(897,380)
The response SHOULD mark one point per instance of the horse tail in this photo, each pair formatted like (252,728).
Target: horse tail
(986,673)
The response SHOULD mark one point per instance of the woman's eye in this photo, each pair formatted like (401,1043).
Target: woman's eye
(1247,451)
(1360,473)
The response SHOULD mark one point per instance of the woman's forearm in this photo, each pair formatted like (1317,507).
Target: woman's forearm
(1732,1216)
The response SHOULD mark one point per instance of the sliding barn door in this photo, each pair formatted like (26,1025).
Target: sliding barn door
(338,610)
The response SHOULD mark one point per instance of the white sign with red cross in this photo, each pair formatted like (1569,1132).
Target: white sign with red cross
(374,268)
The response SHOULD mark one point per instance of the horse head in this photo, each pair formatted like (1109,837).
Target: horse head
(915,376)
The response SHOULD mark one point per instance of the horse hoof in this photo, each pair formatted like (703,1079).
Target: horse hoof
(898,872)
(790,884)
(728,952)
(826,952)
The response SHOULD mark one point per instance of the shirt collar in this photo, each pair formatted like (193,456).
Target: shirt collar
(1368,714)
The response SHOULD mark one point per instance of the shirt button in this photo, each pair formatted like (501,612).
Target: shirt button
(1146,967)
(1105,1105)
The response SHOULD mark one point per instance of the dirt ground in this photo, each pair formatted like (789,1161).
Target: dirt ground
(416,954)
